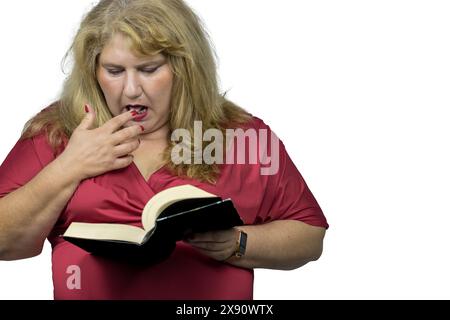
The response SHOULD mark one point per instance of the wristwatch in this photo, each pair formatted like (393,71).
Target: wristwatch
(241,244)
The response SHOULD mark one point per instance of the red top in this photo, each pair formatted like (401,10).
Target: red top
(119,197)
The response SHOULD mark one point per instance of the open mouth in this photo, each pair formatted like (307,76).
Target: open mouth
(138,108)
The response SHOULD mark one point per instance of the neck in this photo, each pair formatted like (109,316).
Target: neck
(160,135)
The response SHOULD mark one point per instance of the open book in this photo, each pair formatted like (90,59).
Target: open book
(168,217)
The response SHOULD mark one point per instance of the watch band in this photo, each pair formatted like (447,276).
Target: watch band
(241,244)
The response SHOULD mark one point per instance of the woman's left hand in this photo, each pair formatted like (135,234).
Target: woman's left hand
(219,245)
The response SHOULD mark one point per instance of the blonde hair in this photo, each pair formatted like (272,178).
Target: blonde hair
(168,27)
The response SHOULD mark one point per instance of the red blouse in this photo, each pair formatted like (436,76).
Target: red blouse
(119,197)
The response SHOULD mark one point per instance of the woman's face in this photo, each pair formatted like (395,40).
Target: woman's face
(128,81)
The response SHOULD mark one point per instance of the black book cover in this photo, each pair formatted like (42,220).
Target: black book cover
(173,224)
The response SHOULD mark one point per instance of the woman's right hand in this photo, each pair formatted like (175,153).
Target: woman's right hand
(91,152)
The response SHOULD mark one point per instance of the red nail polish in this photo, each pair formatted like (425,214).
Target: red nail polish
(134,113)
(142,128)
(86,108)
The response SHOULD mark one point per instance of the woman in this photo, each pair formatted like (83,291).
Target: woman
(142,70)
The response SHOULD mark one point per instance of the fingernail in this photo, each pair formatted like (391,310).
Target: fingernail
(142,128)
(86,108)
(134,113)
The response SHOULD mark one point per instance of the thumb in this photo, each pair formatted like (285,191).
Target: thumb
(88,121)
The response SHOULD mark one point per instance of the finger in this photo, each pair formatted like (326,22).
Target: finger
(212,246)
(117,122)
(216,255)
(126,148)
(130,133)
(123,162)
(89,120)
(213,236)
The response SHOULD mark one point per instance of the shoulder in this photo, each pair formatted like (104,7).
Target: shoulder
(38,146)
(255,123)
(258,133)
(258,128)
(43,135)
(41,141)
(253,143)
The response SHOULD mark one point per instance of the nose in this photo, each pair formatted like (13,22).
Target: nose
(133,88)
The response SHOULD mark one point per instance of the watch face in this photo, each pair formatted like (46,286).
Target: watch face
(242,244)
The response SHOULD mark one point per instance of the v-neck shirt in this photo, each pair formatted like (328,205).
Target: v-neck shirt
(119,196)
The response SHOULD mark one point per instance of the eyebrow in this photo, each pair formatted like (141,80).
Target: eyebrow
(146,64)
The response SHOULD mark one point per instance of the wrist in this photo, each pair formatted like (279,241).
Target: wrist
(67,170)
(240,246)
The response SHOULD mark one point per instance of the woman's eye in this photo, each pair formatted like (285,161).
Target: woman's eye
(114,72)
(117,72)
(150,70)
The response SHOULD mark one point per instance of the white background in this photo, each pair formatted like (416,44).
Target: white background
(357,90)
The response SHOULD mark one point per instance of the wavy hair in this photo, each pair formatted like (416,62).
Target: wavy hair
(169,27)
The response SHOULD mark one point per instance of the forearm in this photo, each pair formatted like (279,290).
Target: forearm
(28,214)
(283,244)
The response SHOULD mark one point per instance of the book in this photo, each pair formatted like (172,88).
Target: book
(168,217)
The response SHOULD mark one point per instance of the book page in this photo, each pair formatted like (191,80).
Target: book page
(105,231)
(165,198)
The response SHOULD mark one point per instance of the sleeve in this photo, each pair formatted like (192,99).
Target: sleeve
(287,196)
(26,159)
